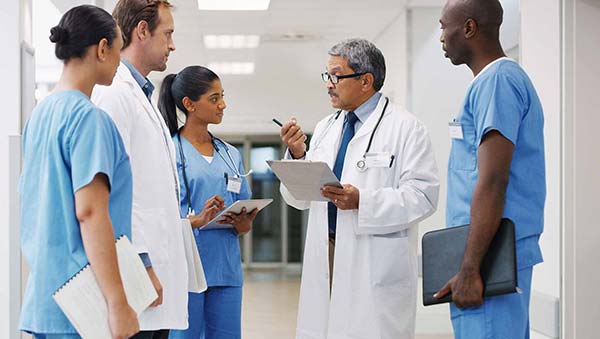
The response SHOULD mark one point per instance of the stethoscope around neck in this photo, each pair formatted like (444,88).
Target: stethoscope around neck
(361,165)
(229,162)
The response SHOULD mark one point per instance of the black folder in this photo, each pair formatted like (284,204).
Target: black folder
(443,252)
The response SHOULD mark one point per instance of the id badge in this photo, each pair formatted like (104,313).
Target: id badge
(234,185)
(383,159)
(455,129)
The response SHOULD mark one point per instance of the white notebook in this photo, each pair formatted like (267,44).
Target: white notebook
(83,302)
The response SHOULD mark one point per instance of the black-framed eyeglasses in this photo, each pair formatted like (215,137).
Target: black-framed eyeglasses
(335,79)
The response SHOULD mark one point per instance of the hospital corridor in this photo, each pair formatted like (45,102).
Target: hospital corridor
(308,169)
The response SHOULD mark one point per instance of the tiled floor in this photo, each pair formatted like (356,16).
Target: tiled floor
(271,302)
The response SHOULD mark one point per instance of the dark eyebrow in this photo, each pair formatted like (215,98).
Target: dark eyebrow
(215,94)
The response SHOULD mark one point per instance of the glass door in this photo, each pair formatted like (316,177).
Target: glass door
(278,233)
(267,230)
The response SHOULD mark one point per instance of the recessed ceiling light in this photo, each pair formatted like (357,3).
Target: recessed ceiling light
(231,41)
(235,68)
(233,5)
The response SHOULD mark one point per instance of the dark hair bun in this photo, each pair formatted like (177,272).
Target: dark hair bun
(58,35)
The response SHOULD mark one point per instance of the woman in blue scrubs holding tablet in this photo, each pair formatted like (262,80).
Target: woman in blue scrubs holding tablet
(212,176)
(76,181)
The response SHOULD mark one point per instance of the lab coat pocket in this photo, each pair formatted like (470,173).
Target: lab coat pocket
(151,231)
(463,155)
(390,262)
(380,176)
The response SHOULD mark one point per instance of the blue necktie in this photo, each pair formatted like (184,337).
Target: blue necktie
(347,135)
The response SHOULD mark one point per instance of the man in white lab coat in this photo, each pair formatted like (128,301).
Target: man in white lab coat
(368,231)
(147,27)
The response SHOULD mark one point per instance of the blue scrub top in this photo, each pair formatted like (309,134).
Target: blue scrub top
(66,142)
(502,98)
(219,249)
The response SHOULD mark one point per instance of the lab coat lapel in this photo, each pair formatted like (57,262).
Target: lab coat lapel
(139,94)
(331,141)
(149,108)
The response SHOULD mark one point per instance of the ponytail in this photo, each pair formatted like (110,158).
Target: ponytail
(191,82)
(167,104)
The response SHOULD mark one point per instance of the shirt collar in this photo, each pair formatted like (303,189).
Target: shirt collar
(488,66)
(144,83)
(364,111)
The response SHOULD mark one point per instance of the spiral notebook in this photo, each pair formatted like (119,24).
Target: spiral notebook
(83,303)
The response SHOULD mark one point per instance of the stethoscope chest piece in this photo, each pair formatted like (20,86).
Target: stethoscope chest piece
(361,165)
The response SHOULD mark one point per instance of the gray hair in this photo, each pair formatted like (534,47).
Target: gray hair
(362,56)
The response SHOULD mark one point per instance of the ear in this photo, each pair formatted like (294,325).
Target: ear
(142,30)
(367,81)
(103,49)
(470,28)
(188,104)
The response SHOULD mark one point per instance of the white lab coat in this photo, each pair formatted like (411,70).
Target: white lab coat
(156,223)
(375,263)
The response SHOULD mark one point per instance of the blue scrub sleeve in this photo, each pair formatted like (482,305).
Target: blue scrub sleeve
(500,105)
(92,147)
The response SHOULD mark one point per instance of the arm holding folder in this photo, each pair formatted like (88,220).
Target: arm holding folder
(91,208)
(494,158)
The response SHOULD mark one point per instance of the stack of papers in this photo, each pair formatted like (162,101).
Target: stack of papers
(303,178)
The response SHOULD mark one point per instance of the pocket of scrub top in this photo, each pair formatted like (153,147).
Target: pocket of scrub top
(155,232)
(463,155)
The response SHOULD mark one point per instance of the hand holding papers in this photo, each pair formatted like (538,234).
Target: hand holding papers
(304,179)
(236,208)
(82,300)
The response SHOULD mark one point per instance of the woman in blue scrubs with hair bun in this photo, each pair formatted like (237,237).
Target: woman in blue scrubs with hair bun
(76,181)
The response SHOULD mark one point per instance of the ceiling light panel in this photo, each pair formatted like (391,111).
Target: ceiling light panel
(231,41)
(233,5)
(233,68)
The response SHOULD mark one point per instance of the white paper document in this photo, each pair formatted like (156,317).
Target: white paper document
(303,178)
(196,278)
(236,207)
(82,300)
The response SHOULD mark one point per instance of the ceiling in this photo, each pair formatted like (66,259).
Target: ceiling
(295,37)
(313,25)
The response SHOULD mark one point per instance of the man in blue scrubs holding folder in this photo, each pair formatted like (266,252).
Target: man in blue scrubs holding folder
(496,169)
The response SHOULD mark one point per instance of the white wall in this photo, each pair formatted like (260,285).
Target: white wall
(393,43)
(540,46)
(540,58)
(581,276)
(16,17)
